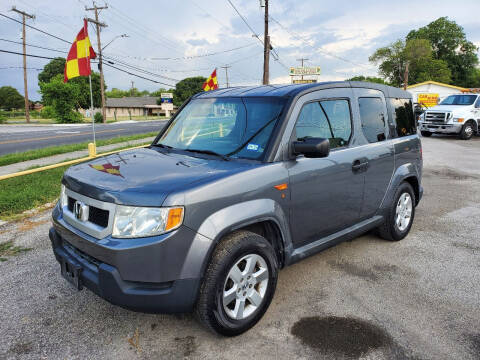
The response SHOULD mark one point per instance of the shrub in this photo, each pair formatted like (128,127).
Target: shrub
(98,117)
(3,119)
(48,112)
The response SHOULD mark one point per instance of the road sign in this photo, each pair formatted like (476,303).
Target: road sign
(311,70)
(304,81)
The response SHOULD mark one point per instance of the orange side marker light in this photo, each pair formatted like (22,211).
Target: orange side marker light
(281,187)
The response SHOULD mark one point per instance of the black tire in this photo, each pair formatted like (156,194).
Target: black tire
(468,129)
(426,133)
(230,250)
(389,230)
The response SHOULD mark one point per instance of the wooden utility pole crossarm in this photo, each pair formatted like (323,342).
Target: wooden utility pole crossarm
(25,83)
(99,25)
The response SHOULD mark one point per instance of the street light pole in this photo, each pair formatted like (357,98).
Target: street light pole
(115,38)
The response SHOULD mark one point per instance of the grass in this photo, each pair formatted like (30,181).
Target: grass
(62,149)
(30,191)
(8,249)
(26,192)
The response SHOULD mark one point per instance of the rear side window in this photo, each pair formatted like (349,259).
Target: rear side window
(372,116)
(404,117)
(328,119)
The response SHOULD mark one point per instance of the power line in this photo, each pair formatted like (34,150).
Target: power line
(33,27)
(133,67)
(298,37)
(35,46)
(245,21)
(18,67)
(139,76)
(30,55)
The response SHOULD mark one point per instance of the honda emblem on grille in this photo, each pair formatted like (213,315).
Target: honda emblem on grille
(80,211)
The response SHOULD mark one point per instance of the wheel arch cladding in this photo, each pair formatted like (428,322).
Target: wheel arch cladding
(262,216)
(406,172)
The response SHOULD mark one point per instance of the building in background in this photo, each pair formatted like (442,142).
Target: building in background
(429,93)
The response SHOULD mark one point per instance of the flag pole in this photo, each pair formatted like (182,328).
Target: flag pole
(91,107)
(87,52)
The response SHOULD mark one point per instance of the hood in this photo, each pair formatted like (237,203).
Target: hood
(456,108)
(144,177)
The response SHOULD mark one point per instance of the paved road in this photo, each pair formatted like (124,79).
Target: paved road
(368,298)
(17,138)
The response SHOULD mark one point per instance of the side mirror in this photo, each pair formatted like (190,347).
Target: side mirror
(312,147)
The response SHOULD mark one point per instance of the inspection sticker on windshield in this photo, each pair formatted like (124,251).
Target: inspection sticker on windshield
(253,147)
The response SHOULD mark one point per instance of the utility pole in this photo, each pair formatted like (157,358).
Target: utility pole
(302,60)
(99,25)
(405,76)
(226,67)
(266,51)
(131,91)
(27,103)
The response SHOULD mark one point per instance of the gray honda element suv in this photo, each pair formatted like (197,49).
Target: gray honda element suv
(240,183)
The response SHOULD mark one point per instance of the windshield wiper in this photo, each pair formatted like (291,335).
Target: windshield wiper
(168,147)
(208,152)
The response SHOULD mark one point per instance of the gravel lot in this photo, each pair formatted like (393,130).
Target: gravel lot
(367,298)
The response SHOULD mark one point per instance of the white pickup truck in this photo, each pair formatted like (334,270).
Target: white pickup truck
(456,114)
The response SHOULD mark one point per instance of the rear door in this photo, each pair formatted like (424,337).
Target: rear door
(379,150)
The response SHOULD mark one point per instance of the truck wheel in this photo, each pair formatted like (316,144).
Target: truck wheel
(239,284)
(426,133)
(400,216)
(467,131)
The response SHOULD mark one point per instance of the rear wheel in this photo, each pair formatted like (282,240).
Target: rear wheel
(426,133)
(400,216)
(467,131)
(239,284)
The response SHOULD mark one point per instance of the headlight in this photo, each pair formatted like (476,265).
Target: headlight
(459,120)
(133,222)
(63,197)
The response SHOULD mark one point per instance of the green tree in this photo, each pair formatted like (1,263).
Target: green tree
(371,79)
(118,93)
(63,97)
(53,68)
(56,67)
(414,56)
(186,88)
(10,98)
(449,44)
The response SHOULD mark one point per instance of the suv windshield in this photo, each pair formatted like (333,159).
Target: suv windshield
(234,127)
(459,100)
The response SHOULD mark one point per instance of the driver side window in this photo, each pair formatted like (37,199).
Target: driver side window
(328,119)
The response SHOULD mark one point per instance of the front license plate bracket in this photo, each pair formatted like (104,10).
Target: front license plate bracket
(71,272)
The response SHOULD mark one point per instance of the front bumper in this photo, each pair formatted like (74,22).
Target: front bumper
(441,128)
(134,275)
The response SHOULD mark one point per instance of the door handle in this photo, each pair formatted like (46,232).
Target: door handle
(358,165)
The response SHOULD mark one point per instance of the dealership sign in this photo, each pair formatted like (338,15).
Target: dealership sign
(312,70)
(428,99)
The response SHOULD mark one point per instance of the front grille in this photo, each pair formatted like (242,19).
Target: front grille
(436,117)
(98,216)
(95,215)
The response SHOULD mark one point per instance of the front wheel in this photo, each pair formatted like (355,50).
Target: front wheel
(426,133)
(239,284)
(467,131)
(399,218)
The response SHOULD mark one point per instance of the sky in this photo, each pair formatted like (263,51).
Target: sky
(170,39)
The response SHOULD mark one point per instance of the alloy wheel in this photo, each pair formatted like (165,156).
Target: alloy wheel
(245,287)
